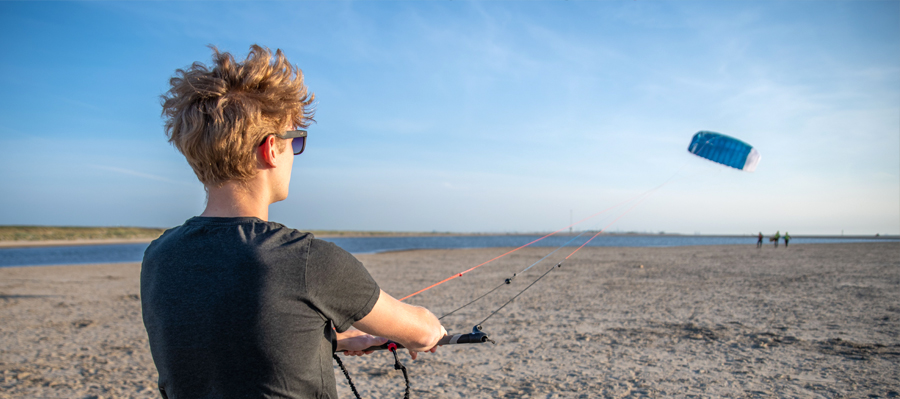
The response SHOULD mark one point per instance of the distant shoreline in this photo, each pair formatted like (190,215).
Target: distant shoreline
(364,234)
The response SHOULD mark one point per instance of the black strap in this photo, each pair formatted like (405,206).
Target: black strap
(397,366)
(346,374)
(401,367)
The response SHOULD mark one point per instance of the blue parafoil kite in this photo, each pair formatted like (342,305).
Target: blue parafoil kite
(725,150)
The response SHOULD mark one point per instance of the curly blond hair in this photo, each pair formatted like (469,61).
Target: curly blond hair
(217,117)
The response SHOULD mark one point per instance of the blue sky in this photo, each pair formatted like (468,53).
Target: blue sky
(474,116)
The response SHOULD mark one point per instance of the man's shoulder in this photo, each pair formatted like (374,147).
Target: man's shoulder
(235,234)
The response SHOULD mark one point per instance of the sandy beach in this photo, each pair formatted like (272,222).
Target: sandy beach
(809,321)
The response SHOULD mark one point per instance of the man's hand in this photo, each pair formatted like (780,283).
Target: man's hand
(413,354)
(352,342)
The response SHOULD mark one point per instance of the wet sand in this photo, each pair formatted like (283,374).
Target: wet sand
(810,321)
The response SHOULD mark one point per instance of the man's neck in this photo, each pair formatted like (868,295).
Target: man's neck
(234,199)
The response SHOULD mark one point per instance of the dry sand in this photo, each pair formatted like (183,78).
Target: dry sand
(815,320)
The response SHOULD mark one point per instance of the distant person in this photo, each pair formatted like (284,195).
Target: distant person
(237,306)
(759,241)
(787,237)
(776,237)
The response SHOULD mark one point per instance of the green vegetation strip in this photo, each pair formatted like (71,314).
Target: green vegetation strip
(45,233)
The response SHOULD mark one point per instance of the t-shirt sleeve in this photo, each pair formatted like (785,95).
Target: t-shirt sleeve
(339,285)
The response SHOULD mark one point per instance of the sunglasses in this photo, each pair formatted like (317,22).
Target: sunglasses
(299,142)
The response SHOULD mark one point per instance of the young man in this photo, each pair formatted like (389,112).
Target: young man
(236,306)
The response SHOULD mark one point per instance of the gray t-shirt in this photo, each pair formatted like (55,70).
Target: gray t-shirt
(242,308)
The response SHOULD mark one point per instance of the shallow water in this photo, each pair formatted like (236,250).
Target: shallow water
(121,253)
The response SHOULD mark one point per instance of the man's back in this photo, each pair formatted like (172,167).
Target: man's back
(235,306)
(239,307)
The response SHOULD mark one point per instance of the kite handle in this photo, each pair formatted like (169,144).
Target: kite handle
(475,337)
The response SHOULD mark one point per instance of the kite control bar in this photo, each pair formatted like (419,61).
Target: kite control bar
(475,337)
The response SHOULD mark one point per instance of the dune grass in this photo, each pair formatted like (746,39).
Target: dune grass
(46,233)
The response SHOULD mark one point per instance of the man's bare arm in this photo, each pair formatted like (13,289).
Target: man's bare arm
(414,327)
(354,342)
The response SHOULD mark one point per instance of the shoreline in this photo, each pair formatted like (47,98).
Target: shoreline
(112,241)
(498,248)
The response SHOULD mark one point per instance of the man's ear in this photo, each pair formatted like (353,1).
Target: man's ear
(268,152)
